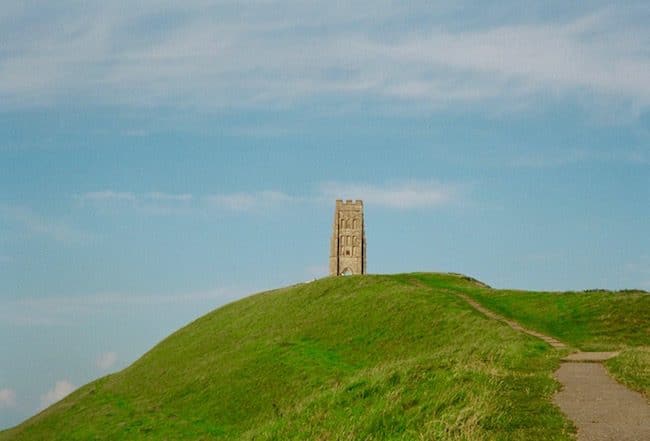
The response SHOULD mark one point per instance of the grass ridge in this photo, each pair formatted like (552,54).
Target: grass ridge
(373,357)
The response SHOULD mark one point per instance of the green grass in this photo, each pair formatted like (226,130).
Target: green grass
(632,367)
(590,321)
(363,357)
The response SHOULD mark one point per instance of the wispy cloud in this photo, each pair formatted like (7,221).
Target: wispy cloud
(152,202)
(550,157)
(159,196)
(7,398)
(589,52)
(277,53)
(403,195)
(249,201)
(107,195)
(34,224)
(127,196)
(168,203)
(65,310)
(61,389)
(397,195)
(545,158)
(106,360)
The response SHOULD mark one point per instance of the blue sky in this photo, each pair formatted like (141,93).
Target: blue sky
(162,159)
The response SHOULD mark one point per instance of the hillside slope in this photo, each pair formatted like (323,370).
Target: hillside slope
(361,357)
(590,321)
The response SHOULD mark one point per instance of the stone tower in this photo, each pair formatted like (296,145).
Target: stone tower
(348,247)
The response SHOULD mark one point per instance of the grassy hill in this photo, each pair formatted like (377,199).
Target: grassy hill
(591,321)
(362,357)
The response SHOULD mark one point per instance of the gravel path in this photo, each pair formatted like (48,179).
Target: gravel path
(600,408)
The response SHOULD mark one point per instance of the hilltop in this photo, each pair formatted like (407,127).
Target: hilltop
(359,357)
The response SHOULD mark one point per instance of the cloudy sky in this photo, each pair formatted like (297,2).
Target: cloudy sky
(162,158)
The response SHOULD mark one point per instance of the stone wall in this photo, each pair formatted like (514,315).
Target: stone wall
(348,245)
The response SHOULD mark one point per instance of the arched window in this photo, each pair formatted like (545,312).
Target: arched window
(342,223)
(354,223)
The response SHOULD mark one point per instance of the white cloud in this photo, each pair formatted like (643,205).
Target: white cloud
(66,310)
(249,201)
(544,159)
(584,53)
(276,53)
(110,195)
(166,203)
(107,195)
(550,157)
(7,398)
(154,202)
(106,360)
(399,195)
(38,225)
(61,389)
(158,196)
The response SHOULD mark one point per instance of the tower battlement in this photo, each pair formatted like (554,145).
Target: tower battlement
(348,245)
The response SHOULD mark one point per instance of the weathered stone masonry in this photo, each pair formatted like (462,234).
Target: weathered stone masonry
(348,246)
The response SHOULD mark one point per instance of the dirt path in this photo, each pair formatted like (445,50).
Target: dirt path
(513,324)
(600,408)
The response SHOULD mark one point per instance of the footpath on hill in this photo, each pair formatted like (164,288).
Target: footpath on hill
(601,408)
